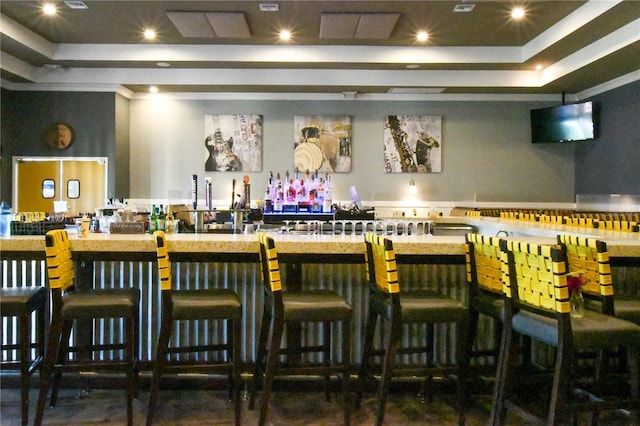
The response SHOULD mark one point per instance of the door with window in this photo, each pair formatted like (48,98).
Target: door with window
(39,182)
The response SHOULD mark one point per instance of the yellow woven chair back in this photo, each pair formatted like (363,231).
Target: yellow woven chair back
(164,265)
(619,225)
(58,258)
(539,273)
(270,267)
(384,261)
(590,257)
(488,262)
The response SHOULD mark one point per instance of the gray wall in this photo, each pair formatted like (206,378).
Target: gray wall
(154,145)
(611,164)
(27,115)
(486,151)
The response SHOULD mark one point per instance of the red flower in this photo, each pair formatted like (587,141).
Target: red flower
(575,282)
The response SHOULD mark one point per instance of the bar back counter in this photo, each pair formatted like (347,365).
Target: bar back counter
(334,261)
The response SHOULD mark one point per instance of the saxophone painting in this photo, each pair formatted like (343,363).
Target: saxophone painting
(412,144)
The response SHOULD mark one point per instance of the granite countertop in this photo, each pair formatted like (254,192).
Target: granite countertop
(620,244)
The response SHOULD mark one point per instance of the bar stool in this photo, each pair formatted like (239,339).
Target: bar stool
(537,305)
(192,305)
(21,303)
(590,257)
(282,308)
(484,278)
(397,308)
(69,305)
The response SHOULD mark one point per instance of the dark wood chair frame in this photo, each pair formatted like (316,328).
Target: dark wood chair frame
(323,306)
(94,304)
(21,303)
(216,304)
(385,302)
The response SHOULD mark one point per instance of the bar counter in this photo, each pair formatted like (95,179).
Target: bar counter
(330,261)
(620,244)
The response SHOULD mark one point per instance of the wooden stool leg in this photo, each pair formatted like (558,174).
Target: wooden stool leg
(462,360)
(261,352)
(130,359)
(346,379)
(326,350)
(363,375)
(236,336)
(46,373)
(393,340)
(161,359)
(272,364)
(24,344)
(62,357)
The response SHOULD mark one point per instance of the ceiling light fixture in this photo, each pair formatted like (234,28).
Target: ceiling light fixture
(422,36)
(517,13)
(49,9)
(413,66)
(538,67)
(149,34)
(285,35)
(163,64)
(153,89)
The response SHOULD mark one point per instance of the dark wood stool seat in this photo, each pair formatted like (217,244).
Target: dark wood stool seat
(21,303)
(69,305)
(297,307)
(397,308)
(193,305)
(537,305)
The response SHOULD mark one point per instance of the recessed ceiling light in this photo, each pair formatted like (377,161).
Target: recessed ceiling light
(52,66)
(49,9)
(422,36)
(538,67)
(163,64)
(153,89)
(149,34)
(413,66)
(517,13)
(285,35)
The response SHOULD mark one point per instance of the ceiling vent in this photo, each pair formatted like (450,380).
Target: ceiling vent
(268,7)
(357,25)
(76,4)
(464,7)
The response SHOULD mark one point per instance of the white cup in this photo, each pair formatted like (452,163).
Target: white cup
(84,227)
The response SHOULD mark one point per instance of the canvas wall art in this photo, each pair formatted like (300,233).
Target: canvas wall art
(233,143)
(413,144)
(322,143)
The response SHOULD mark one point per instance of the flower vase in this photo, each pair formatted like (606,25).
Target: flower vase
(576,300)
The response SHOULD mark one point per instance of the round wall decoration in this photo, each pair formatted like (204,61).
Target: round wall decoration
(59,136)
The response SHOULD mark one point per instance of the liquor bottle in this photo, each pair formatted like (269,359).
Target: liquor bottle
(169,223)
(153,218)
(327,204)
(161,219)
(208,193)
(277,205)
(268,201)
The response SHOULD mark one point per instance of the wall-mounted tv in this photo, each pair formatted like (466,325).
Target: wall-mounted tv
(564,123)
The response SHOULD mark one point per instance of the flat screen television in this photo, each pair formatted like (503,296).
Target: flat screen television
(564,123)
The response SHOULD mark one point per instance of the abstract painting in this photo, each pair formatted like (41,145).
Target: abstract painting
(413,144)
(233,143)
(322,143)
